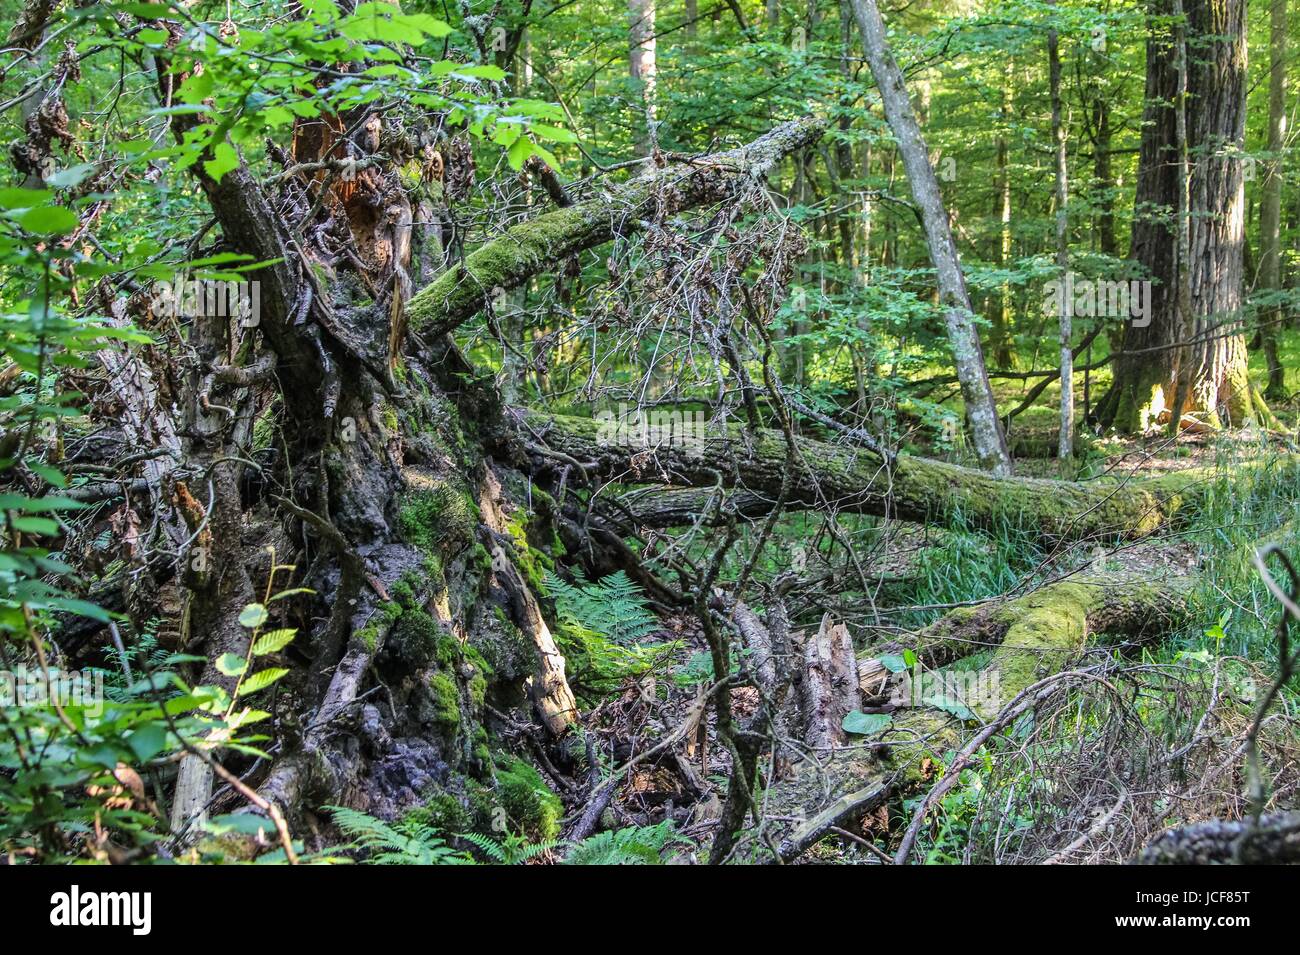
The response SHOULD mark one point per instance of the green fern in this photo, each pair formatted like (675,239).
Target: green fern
(611,607)
(408,843)
(636,845)
(513,850)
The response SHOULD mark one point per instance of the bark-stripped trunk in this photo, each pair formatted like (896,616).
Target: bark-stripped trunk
(968,354)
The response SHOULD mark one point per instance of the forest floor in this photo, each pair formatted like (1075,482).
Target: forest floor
(917,574)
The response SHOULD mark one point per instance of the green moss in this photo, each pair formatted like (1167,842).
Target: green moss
(417,638)
(446,700)
(532,562)
(444,813)
(437,518)
(447,652)
(389,415)
(477,690)
(386,614)
(1048,628)
(530,805)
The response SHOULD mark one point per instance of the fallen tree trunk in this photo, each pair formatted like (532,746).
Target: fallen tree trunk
(533,246)
(1043,635)
(1274,840)
(851,479)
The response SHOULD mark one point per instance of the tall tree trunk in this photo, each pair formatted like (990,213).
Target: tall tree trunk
(1002,357)
(1211,373)
(1190,355)
(1270,213)
(968,355)
(641,63)
(1065,446)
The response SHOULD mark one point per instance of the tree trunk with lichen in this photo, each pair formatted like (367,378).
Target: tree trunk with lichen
(967,352)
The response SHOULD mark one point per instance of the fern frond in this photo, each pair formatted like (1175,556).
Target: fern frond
(611,607)
(405,844)
(485,844)
(636,845)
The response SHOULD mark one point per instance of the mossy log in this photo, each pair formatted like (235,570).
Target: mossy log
(1037,638)
(542,242)
(853,479)
(1273,840)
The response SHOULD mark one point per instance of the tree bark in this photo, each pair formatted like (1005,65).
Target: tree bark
(854,480)
(968,354)
(1191,359)
(641,66)
(1270,212)
(1065,447)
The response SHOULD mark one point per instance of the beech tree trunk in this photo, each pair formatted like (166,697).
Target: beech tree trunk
(1065,446)
(641,64)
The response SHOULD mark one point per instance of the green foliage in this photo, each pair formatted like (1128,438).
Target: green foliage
(635,845)
(409,842)
(512,849)
(612,607)
(530,805)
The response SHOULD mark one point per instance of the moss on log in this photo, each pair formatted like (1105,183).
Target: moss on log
(855,480)
(1037,636)
(546,240)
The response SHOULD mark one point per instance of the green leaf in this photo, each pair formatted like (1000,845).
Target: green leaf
(483,71)
(230,664)
(894,663)
(72,176)
(15,198)
(909,658)
(865,724)
(224,158)
(197,88)
(36,525)
(273,641)
(949,705)
(555,134)
(261,680)
(49,220)
(252,616)
(148,741)
(50,475)
(519,152)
